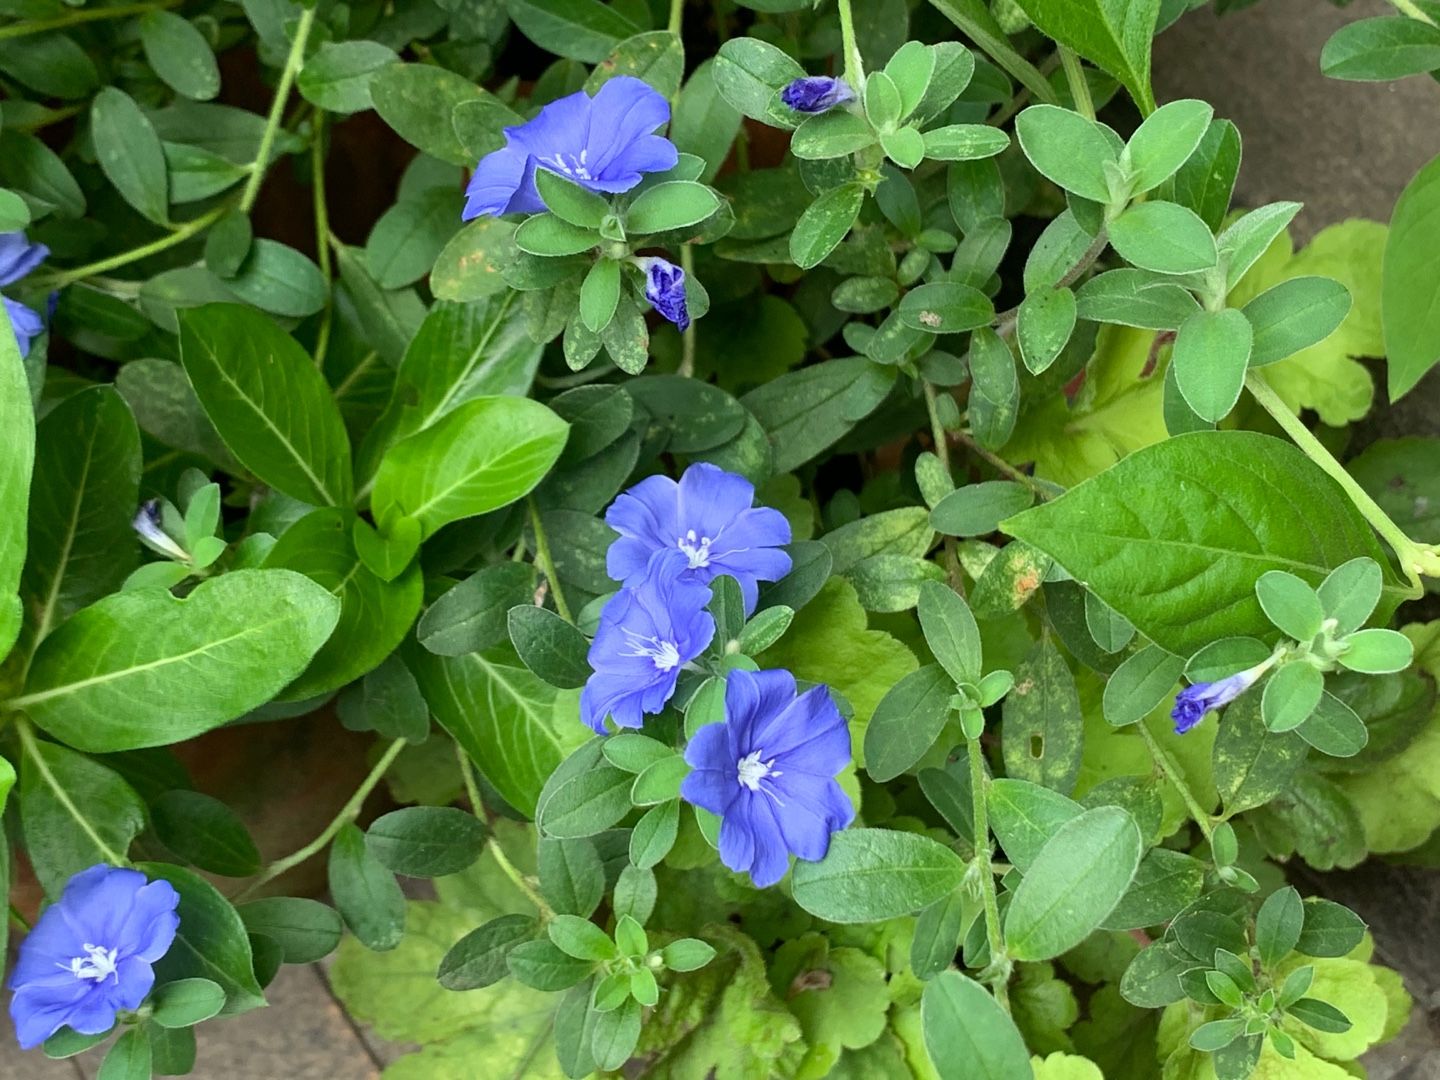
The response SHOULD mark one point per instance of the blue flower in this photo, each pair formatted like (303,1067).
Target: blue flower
(90,954)
(149,525)
(816,93)
(665,289)
(604,144)
(646,635)
(18,257)
(709,518)
(769,772)
(1192,703)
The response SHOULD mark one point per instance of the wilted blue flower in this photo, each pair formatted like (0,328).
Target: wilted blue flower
(90,954)
(605,144)
(709,518)
(769,772)
(665,289)
(1192,703)
(149,525)
(646,635)
(18,257)
(816,93)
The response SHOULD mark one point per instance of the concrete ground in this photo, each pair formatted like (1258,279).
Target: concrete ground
(1345,150)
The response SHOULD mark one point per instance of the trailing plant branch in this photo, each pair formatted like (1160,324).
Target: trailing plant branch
(1172,773)
(348,813)
(979,796)
(854,66)
(999,49)
(1416,560)
(688,336)
(87,15)
(477,806)
(31,747)
(1079,85)
(322,234)
(293,61)
(942,451)
(547,564)
(144,251)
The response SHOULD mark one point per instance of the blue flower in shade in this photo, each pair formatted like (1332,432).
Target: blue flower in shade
(708,517)
(665,289)
(149,525)
(18,257)
(604,144)
(816,93)
(1192,703)
(90,954)
(646,635)
(769,772)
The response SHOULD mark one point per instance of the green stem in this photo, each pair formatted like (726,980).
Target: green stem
(75,18)
(998,48)
(322,232)
(1001,465)
(1415,559)
(854,66)
(941,440)
(472,792)
(1172,773)
(687,339)
(979,793)
(144,251)
(547,564)
(348,813)
(32,748)
(677,16)
(296,57)
(1079,86)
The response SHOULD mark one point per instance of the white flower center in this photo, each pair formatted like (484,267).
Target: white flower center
(664,653)
(98,964)
(570,164)
(752,772)
(696,549)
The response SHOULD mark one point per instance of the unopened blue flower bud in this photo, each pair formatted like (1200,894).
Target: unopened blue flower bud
(147,525)
(665,289)
(1192,703)
(816,93)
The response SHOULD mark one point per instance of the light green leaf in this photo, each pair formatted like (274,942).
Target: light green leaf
(824,224)
(145,669)
(1165,237)
(968,1035)
(1165,140)
(1113,34)
(1412,278)
(873,874)
(1212,354)
(1067,148)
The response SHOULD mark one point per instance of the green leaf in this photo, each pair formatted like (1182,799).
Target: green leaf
(1043,326)
(180,54)
(58,847)
(306,930)
(83,496)
(656,57)
(1079,876)
(654,834)
(1180,562)
(337,76)
(1024,816)
(541,965)
(1320,1015)
(549,235)
(907,721)
(600,295)
(1330,929)
(1043,732)
(1142,681)
(129,1057)
(515,727)
(994,389)
(211,942)
(569,201)
(1250,236)
(405,242)
(873,874)
(968,1035)
(1164,237)
(1252,763)
(367,894)
(950,631)
(1381,49)
(676,204)
(1411,279)
(1068,149)
(129,153)
(572,878)
(1334,728)
(1112,34)
(478,959)
(1135,298)
(804,412)
(964,142)
(549,646)
(278,279)
(1217,1034)
(469,266)
(1165,883)
(1290,604)
(660,781)
(228,647)
(417,101)
(375,615)
(750,73)
(14,213)
(204,831)
(1206,180)
(687,954)
(426,841)
(1291,695)
(824,224)
(584,30)
(32,168)
(580,938)
(1350,592)
(1294,315)
(186,1002)
(705,123)
(483,455)
(1278,925)
(270,405)
(1165,140)
(945,307)
(1377,651)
